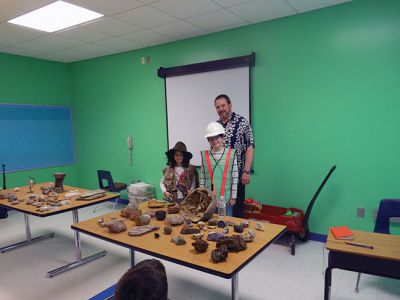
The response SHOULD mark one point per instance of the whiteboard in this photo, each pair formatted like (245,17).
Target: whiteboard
(190,104)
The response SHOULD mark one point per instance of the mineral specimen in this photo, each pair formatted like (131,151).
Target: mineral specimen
(225,230)
(249,235)
(213,222)
(114,226)
(130,213)
(221,224)
(245,223)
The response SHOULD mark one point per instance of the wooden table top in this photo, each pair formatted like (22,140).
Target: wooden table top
(183,254)
(386,246)
(32,210)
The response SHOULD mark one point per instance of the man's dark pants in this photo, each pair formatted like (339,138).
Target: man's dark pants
(238,208)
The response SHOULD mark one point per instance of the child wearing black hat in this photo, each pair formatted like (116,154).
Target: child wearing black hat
(179,177)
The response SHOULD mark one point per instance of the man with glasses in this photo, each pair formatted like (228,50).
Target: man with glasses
(238,136)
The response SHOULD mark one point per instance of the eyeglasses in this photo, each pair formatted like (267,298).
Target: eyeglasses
(213,138)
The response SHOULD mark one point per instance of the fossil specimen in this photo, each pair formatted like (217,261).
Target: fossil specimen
(199,205)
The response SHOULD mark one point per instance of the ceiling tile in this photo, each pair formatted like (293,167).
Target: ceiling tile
(22,51)
(26,5)
(84,35)
(107,7)
(217,21)
(179,30)
(262,10)
(111,26)
(307,5)
(6,41)
(37,46)
(19,32)
(148,1)
(147,37)
(58,41)
(146,17)
(230,3)
(63,55)
(8,13)
(187,8)
(119,44)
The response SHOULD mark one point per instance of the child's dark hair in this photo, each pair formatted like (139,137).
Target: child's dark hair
(171,160)
(145,281)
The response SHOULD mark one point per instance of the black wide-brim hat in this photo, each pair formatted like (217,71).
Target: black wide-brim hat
(179,146)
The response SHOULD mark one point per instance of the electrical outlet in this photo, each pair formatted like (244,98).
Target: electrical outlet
(360,212)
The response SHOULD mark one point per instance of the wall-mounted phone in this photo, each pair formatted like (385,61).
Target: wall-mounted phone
(129,141)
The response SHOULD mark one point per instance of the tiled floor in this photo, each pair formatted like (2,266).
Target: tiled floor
(274,274)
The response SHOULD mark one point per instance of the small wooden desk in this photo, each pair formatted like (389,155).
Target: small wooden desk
(32,210)
(383,260)
(185,254)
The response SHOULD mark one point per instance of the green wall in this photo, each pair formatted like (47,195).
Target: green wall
(324,92)
(32,81)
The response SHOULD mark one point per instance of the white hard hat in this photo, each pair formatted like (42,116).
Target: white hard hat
(214,129)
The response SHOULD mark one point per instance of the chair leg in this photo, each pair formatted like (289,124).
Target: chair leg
(115,203)
(358,281)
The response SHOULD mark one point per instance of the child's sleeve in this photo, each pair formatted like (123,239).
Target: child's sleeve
(162,185)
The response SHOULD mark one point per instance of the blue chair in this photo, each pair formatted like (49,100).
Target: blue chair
(111,186)
(387,208)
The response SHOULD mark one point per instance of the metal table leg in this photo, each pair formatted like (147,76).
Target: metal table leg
(328,283)
(132,256)
(78,252)
(235,286)
(29,239)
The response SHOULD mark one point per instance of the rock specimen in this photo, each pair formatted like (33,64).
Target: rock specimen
(249,235)
(178,240)
(212,222)
(151,213)
(142,220)
(154,203)
(160,215)
(260,226)
(221,224)
(245,223)
(225,230)
(174,220)
(199,205)
(201,225)
(234,243)
(200,246)
(215,236)
(114,226)
(238,228)
(168,229)
(140,230)
(189,230)
(173,209)
(130,213)
(220,254)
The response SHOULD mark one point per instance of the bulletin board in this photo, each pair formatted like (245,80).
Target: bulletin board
(35,136)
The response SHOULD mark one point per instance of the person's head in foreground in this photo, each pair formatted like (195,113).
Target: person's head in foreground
(145,281)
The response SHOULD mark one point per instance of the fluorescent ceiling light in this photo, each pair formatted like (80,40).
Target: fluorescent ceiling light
(56,16)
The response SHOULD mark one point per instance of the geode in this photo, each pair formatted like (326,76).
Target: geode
(200,246)
(189,230)
(130,213)
(220,254)
(175,220)
(259,226)
(249,235)
(234,243)
(199,205)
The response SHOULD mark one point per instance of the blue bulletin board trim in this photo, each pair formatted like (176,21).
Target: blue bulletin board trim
(35,136)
